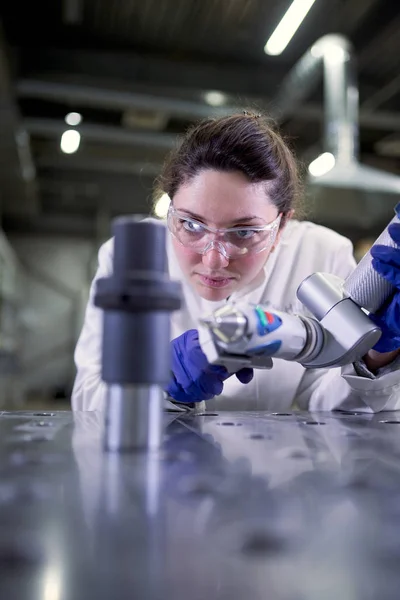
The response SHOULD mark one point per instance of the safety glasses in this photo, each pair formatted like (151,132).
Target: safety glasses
(234,242)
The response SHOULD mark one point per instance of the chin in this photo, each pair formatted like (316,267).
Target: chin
(213,295)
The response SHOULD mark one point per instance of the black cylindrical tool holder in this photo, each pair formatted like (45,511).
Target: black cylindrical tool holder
(137,301)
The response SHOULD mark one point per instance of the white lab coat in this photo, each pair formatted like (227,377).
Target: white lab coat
(304,248)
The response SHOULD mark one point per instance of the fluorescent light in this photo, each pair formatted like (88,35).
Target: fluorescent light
(215,98)
(322,164)
(162,206)
(70,141)
(286,29)
(73,118)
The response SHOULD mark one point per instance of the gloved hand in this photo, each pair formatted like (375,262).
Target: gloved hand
(386,261)
(194,379)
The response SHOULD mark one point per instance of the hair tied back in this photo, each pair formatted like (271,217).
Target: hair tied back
(249,114)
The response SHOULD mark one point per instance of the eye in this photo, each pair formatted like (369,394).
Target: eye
(245,234)
(191,226)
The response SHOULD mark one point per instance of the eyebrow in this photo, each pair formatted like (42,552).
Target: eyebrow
(200,218)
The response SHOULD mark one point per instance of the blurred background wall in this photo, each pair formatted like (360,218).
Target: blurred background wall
(93,93)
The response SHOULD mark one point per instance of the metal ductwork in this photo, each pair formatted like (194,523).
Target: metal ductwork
(350,193)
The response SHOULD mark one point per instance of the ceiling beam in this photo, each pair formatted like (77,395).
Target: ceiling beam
(385,93)
(80,162)
(113,99)
(124,193)
(140,69)
(51,128)
(382,120)
(58,224)
(353,13)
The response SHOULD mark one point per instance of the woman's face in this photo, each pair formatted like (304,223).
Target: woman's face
(222,200)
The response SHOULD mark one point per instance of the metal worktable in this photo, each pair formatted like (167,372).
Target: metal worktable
(235,506)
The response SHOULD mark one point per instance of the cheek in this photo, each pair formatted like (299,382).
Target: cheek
(250,266)
(186,258)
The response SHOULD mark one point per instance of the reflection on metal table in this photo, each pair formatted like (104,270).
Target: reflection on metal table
(234,505)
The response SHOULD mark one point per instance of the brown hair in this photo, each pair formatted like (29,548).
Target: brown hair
(242,142)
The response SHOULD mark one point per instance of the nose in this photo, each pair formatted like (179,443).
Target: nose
(213,259)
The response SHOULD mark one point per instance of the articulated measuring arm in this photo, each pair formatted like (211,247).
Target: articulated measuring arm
(243,335)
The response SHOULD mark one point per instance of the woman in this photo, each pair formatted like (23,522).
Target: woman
(236,175)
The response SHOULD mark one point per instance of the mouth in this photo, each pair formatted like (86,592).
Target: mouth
(215,281)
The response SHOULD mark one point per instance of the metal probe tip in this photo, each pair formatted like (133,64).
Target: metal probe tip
(209,322)
(227,327)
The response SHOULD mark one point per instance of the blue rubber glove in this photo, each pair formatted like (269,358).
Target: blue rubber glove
(386,261)
(193,378)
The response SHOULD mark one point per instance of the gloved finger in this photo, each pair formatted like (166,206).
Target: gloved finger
(199,365)
(388,272)
(245,375)
(175,390)
(388,341)
(209,383)
(388,319)
(394,232)
(197,358)
(389,315)
(219,370)
(196,394)
(386,254)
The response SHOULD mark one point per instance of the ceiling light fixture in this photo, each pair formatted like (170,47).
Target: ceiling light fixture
(73,118)
(215,98)
(322,164)
(288,26)
(70,141)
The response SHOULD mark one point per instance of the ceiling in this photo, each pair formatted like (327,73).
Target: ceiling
(139,71)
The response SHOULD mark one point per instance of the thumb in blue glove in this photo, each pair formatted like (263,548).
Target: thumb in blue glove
(193,378)
(386,262)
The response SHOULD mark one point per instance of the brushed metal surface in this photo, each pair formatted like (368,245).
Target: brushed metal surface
(235,505)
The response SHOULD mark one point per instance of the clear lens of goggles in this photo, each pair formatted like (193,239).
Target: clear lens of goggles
(232,243)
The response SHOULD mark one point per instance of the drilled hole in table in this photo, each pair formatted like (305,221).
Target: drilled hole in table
(206,414)
(282,414)
(227,423)
(261,544)
(314,423)
(391,422)
(44,414)
(257,436)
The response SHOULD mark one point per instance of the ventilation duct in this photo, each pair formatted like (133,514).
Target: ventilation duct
(350,193)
